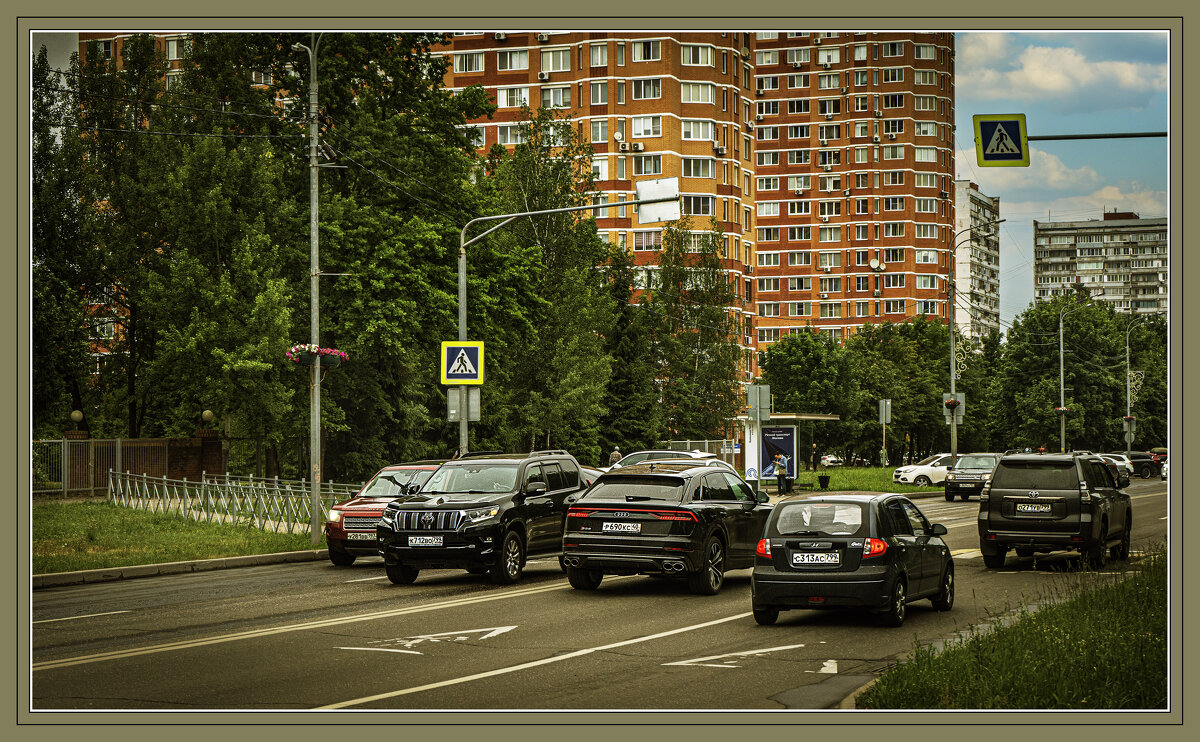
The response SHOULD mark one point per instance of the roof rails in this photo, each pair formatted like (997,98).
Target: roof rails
(550,452)
(473,454)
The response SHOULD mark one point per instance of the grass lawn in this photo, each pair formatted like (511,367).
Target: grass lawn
(69,536)
(1101,648)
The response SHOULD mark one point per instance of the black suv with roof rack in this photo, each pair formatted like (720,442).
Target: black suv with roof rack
(1047,502)
(483,512)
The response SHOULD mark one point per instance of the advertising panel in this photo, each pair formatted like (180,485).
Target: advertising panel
(778,441)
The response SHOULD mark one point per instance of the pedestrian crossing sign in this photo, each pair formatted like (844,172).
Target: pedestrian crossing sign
(1001,140)
(462,362)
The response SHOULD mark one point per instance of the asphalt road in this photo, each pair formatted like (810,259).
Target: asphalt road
(314,636)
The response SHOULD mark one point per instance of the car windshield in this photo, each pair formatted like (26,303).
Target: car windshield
(392,483)
(1046,474)
(819,519)
(634,489)
(976,462)
(474,478)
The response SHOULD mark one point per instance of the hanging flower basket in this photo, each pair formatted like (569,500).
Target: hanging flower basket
(951,403)
(1129,418)
(306,355)
(1062,410)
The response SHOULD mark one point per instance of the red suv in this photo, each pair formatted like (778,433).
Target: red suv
(350,525)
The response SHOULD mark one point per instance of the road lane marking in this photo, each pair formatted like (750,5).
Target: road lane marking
(966,553)
(324,623)
(526,665)
(72,618)
(380,649)
(733,656)
(367,579)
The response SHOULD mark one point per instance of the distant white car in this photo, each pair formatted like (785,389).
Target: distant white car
(1122,462)
(831,460)
(638,457)
(1163,471)
(926,472)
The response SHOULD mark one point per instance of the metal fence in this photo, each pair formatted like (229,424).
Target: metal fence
(269,504)
(80,467)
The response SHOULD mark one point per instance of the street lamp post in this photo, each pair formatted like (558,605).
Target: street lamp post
(314,410)
(1062,399)
(1128,406)
(951,302)
(649,192)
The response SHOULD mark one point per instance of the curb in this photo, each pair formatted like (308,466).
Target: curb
(849,701)
(112,574)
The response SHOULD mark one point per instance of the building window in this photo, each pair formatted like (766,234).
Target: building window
(768,309)
(647,165)
(514,60)
(927,282)
(695,92)
(830,309)
(647,126)
(893,280)
(696,55)
(893,203)
(893,152)
(599,55)
(800,309)
(926,205)
(698,205)
(893,100)
(767,133)
(647,240)
(925,180)
(768,234)
(799,157)
(926,231)
(646,51)
(697,167)
(893,306)
(799,208)
(924,102)
(556,97)
(600,130)
(768,158)
(830,259)
(893,255)
(893,229)
(556,60)
(925,154)
(768,284)
(512,97)
(799,234)
(647,89)
(924,51)
(831,285)
(830,208)
(797,257)
(802,105)
(768,208)
(177,48)
(768,334)
(599,93)
(924,77)
(767,183)
(470,62)
(893,74)
(829,234)
(695,129)
(509,134)
(600,170)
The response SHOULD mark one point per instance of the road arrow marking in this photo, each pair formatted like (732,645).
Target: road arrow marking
(732,657)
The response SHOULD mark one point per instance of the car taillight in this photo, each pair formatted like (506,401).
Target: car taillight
(674,516)
(1084,495)
(764,548)
(873,547)
(577,513)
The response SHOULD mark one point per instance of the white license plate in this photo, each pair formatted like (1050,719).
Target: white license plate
(622,527)
(1033,507)
(424,540)
(360,536)
(822,557)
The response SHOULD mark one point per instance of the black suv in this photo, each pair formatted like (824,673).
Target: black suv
(482,513)
(668,519)
(1047,502)
(1144,464)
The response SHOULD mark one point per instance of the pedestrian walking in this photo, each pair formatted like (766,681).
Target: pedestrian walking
(816,456)
(615,456)
(781,473)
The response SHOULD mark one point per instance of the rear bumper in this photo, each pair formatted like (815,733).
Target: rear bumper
(863,588)
(629,556)
(1011,539)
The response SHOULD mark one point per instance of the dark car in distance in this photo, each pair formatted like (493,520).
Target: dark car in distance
(1049,502)
(485,513)
(877,552)
(673,519)
(350,525)
(967,476)
(1145,465)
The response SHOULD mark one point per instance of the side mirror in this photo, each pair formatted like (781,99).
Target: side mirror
(762,497)
(938,530)
(412,489)
(533,489)
(1123,481)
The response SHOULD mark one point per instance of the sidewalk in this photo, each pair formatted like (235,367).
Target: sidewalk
(111,574)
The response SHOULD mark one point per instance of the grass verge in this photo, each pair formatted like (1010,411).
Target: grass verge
(856,478)
(1101,648)
(69,536)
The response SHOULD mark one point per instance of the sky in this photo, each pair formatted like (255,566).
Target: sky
(1064,83)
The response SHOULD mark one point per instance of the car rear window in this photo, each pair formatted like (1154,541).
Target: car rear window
(634,488)
(1051,475)
(819,519)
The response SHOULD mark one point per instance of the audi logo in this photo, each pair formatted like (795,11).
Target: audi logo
(620,515)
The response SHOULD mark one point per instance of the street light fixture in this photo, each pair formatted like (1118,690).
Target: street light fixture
(314,410)
(952,299)
(1062,401)
(659,191)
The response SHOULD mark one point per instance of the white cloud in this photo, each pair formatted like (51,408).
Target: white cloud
(1084,206)
(1045,171)
(1063,78)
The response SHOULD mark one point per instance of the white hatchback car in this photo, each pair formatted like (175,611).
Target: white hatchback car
(638,457)
(926,472)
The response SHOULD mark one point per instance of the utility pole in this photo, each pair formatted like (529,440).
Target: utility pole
(1128,405)
(314,410)
(1062,398)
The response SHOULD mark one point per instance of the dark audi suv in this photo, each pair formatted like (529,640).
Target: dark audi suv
(877,552)
(1047,502)
(677,519)
(482,513)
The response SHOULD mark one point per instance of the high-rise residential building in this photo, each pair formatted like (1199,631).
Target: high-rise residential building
(826,158)
(1121,259)
(976,261)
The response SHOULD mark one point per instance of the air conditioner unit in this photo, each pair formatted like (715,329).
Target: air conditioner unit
(945,194)
(719,150)
(797,65)
(825,219)
(846,192)
(824,142)
(875,139)
(749,126)
(799,191)
(501,36)
(876,292)
(638,146)
(878,113)
(759,117)
(816,39)
(623,146)
(844,91)
(758,91)
(829,117)
(828,168)
(824,296)
(827,268)
(826,65)
(890,136)
(543,37)
(543,76)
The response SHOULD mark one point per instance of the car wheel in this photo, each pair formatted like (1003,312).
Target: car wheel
(949,497)
(509,562)
(897,604)
(1120,552)
(401,575)
(993,561)
(922,481)
(1146,472)
(584,579)
(766,616)
(944,599)
(1097,555)
(712,572)
(340,558)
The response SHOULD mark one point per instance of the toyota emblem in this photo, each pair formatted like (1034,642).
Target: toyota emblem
(1034,493)
(427,519)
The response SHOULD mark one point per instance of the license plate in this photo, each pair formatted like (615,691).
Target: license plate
(424,540)
(622,527)
(1033,507)
(360,536)
(808,557)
